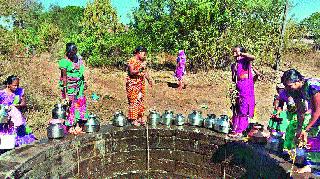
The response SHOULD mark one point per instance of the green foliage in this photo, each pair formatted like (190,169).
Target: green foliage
(205,29)
(99,30)
(312,24)
(293,38)
(68,19)
(6,42)
(208,29)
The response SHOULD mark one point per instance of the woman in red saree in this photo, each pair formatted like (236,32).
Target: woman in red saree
(135,85)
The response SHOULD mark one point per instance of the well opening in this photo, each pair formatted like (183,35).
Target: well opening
(113,152)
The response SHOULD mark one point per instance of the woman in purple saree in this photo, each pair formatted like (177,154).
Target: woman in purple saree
(245,103)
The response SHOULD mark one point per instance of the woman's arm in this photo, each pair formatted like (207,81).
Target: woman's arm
(134,72)
(248,56)
(64,80)
(147,76)
(315,111)
(300,114)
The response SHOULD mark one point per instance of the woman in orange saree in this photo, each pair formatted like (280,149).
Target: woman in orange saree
(135,85)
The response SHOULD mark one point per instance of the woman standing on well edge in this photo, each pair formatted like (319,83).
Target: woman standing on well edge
(245,103)
(135,85)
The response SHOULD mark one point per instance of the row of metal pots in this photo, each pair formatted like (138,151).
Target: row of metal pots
(219,124)
(57,130)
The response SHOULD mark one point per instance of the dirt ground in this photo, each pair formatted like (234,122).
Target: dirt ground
(206,91)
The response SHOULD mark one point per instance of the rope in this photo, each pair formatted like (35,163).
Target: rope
(148,150)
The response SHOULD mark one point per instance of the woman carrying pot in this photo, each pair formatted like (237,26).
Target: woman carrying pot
(305,91)
(135,85)
(72,86)
(243,78)
(13,99)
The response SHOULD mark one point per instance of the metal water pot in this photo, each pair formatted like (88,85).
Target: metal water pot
(167,117)
(275,142)
(210,121)
(179,120)
(55,131)
(4,118)
(119,119)
(154,118)
(59,111)
(195,118)
(7,141)
(222,124)
(92,124)
(300,156)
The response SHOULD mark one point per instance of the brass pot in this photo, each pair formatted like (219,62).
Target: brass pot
(92,124)
(195,118)
(167,117)
(119,119)
(179,120)
(154,118)
(59,111)
(210,121)
(55,131)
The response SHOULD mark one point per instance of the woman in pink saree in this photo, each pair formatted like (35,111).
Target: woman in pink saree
(245,103)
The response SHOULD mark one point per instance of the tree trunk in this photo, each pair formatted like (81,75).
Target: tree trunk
(280,49)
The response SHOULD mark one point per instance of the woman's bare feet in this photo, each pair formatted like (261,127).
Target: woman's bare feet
(141,122)
(135,123)
(76,130)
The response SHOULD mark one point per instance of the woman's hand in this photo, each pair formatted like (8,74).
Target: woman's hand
(85,86)
(303,136)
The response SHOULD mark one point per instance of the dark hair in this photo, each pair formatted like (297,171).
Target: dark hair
(71,51)
(140,49)
(242,49)
(10,80)
(291,76)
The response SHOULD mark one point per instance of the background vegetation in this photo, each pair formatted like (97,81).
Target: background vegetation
(205,29)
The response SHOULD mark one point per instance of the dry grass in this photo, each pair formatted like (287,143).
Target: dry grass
(39,76)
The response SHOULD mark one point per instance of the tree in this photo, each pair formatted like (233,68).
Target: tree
(68,18)
(208,29)
(99,24)
(312,24)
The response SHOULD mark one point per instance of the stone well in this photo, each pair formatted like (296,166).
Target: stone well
(114,152)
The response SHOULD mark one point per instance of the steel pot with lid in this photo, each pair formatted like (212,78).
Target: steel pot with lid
(55,131)
(179,120)
(119,119)
(222,124)
(154,118)
(275,142)
(92,124)
(167,117)
(59,111)
(4,117)
(195,118)
(210,121)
